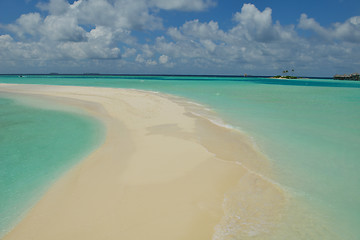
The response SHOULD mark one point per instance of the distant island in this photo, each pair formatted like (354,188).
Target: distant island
(352,76)
(285,76)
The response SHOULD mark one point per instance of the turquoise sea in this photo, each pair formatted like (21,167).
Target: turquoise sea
(37,145)
(308,128)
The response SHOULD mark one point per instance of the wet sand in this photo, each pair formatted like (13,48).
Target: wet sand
(163,172)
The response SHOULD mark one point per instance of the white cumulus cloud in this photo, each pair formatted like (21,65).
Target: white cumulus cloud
(184,5)
(63,28)
(258,26)
(348,31)
(55,7)
(26,24)
(163,59)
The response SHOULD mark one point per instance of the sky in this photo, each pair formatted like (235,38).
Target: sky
(231,37)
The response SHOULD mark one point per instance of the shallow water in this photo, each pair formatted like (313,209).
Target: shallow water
(36,147)
(308,128)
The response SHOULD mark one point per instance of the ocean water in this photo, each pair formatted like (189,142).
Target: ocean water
(309,129)
(36,147)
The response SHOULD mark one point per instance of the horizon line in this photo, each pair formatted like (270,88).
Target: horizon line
(151,74)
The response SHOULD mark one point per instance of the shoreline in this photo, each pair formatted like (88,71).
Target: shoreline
(25,196)
(162,173)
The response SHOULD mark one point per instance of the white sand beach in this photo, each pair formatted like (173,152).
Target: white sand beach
(162,173)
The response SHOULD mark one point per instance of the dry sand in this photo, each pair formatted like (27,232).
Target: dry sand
(162,173)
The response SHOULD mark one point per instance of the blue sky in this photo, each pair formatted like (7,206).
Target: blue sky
(316,38)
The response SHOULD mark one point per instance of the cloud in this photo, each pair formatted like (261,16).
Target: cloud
(63,36)
(258,26)
(196,29)
(53,27)
(208,44)
(55,7)
(183,5)
(79,35)
(26,24)
(63,28)
(98,46)
(11,50)
(140,59)
(254,41)
(163,59)
(92,29)
(310,24)
(348,31)
(123,14)
(129,52)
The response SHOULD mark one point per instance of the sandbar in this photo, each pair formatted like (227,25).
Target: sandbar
(162,172)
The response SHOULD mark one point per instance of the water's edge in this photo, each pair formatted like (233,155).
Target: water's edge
(35,130)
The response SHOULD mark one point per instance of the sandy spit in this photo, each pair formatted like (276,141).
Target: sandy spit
(161,173)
